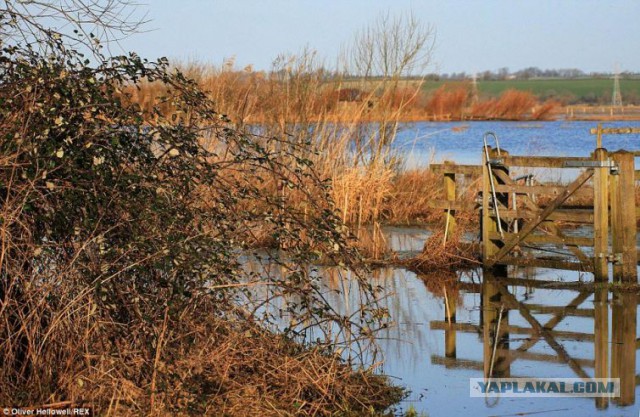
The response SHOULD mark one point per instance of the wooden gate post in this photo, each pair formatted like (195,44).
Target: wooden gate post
(601,216)
(489,219)
(624,219)
(450,196)
(488,224)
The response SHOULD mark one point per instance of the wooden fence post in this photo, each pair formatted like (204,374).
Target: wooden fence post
(450,196)
(489,221)
(601,216)
(624,219)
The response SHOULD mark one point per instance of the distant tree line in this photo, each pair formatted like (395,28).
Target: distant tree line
(527,73)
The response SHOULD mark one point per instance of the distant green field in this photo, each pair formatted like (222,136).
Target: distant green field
(583,90)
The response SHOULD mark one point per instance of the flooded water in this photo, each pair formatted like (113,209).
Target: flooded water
(447,329)
(462,141)
(434,354)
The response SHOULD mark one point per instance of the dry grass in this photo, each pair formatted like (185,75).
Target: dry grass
(546,111)
(246,372)
(452,255)
(409,197)
(300,100)
(199,365)
(511,105)
(299,90)
(448,104)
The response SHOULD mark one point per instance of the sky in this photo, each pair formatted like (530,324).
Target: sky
(471,36)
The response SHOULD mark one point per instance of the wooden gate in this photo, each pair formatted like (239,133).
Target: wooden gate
(528,223)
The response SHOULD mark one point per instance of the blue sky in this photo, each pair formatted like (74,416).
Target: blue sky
(472,35)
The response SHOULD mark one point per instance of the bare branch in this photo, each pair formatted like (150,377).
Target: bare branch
(80,22)
(391,47)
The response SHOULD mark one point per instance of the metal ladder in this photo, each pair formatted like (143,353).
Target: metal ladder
(494,198)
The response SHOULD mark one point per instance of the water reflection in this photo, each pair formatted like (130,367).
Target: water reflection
(523,335)
(448,328)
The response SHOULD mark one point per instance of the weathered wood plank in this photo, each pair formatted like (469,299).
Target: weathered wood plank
(542,189)
(451,205)
(457,363)
(474,328)
(546,263)
(564,310)
(624,239)
(527,356)
(575,216)
(548,239)
(543,284)
(601,217)
(473,170)
(449,185)
(541,161)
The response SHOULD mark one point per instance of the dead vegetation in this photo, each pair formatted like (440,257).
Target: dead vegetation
(125,235)
(450,248)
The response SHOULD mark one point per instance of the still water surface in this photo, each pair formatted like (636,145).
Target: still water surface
(462,141)
(435,359)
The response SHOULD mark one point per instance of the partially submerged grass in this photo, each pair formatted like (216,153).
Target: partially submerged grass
(446,252)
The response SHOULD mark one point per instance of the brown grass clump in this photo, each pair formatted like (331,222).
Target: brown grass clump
(545,111)
(447,249)
(446,104)
(247,371)
(512,105)
(409,197)
(201,365)
(453,255)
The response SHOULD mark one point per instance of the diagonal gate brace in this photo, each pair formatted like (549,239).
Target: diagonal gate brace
(551,226)
(529,227)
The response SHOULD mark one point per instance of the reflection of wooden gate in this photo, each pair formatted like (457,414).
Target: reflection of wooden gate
(504,344)
(526,224)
